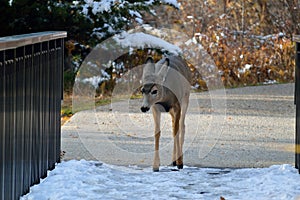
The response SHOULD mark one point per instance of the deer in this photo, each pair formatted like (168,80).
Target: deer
(166,88)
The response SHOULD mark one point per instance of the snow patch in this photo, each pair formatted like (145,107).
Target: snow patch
(97,7)
(95,180)
(270,82)
(246,68)
(142,40)
(171,2)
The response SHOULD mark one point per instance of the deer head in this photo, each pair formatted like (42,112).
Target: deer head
(153,79)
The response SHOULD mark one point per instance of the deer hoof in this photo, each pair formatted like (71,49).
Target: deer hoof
(180,166)
(155,169)
(174,163)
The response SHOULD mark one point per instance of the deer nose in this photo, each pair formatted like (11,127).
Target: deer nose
(144,109)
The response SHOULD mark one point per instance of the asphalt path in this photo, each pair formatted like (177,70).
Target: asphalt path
(232,128)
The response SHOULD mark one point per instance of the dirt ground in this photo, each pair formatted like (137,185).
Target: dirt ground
(242,127)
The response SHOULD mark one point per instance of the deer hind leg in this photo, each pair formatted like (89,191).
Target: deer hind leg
(177,153)
(156,116)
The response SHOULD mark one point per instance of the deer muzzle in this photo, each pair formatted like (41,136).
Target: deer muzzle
(144,109)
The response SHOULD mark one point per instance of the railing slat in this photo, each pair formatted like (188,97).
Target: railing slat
(297,101)
(2,124)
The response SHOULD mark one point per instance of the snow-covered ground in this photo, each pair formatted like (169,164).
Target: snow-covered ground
(95,180)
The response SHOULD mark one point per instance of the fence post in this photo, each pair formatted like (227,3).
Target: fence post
(297,102)
(30,94)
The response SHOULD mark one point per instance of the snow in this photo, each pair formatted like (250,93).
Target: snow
(171,2)
(139,18)
(246,68)
(135,13)
(97,7)
(143,40)
(95,180)
(94,81)
(269,82)
(105,5)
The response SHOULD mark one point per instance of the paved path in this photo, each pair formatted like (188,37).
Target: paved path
(247,127)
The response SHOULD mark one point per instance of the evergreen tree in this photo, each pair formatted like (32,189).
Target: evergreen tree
(5,18)
(86,21)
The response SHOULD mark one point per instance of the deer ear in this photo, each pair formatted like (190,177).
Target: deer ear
(149,60)
(167,62)
(164,68)
(149,69)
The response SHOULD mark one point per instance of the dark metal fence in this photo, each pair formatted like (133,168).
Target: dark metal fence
(31,73)
(297,102)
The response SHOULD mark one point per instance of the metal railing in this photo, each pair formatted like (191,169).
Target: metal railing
(297,102)
(31,75)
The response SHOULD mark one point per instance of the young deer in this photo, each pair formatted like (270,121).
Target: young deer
(166,88)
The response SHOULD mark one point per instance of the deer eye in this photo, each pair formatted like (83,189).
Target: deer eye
(154,92)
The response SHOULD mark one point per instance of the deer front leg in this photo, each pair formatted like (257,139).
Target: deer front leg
(156,161)
(177,152)
(156,116)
